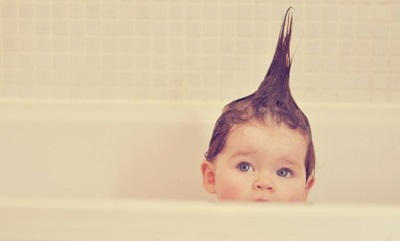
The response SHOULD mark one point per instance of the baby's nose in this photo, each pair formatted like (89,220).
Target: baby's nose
(263,183)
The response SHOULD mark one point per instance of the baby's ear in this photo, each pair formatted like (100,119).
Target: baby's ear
(208,171)
(309,184)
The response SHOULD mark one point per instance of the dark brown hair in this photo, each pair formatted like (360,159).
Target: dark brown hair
(271,101)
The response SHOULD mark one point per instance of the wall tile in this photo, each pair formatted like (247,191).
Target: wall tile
(344,51)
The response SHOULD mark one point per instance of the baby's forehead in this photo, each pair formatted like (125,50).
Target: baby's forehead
(266,140)
(266,127)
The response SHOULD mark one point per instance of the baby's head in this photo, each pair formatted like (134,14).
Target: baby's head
(261,148)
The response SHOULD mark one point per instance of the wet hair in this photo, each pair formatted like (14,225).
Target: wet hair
(272,101)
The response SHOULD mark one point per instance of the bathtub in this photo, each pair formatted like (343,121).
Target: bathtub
(154,150)
(104,219)
(130,171)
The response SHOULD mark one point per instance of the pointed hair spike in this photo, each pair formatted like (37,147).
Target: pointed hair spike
(271,102)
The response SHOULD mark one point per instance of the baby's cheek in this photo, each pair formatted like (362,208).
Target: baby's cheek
(296,194)
(229,190)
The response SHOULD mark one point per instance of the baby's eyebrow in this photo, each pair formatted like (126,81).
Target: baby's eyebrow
(240,153)
(290,161)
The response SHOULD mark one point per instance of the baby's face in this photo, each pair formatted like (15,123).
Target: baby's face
(261,163)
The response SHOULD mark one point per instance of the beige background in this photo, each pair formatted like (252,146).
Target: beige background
(196,50)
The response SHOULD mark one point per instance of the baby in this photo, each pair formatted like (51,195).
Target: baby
(261,148)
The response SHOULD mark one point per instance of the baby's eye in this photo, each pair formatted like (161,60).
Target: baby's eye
(245,167)
(284,172)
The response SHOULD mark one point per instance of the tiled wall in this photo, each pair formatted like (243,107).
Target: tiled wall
(196,50)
